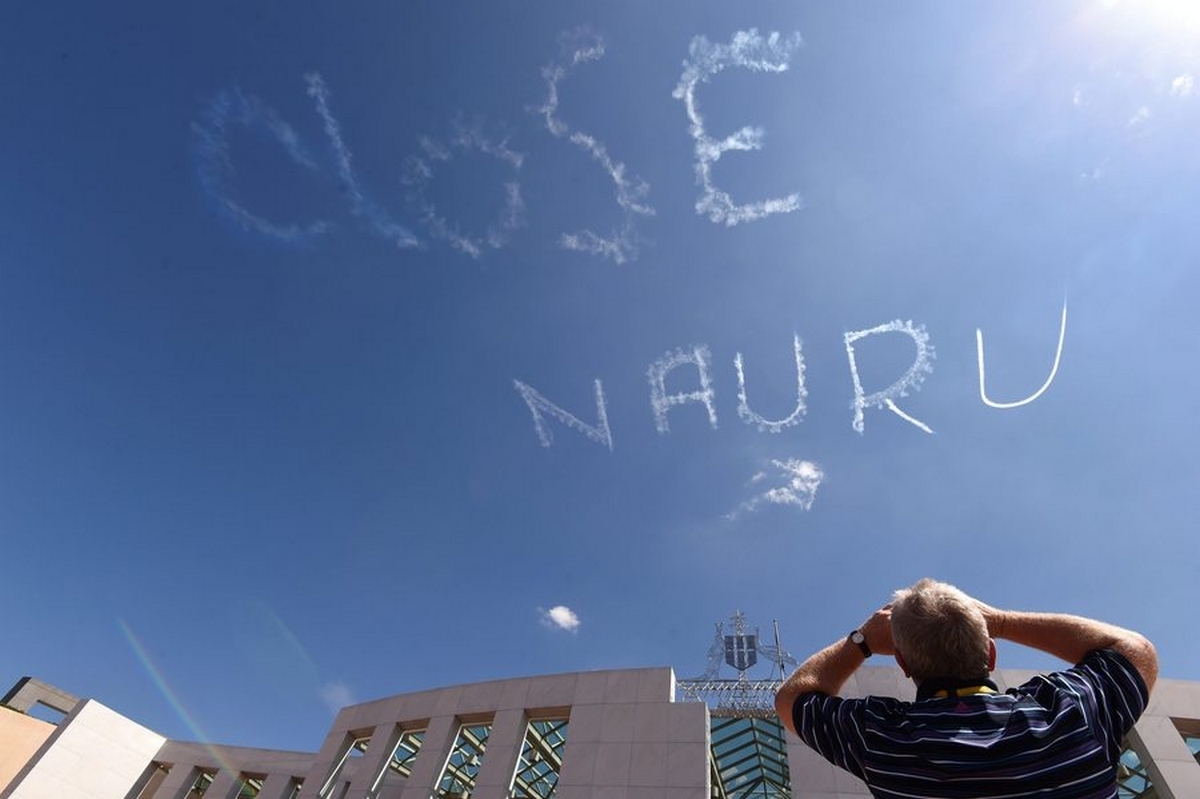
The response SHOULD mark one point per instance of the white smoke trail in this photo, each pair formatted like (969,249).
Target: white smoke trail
(911,379)
(661,402)
(1062,334)
(800,490)
(218,176)
(420,170)
(361,206)
(766,425)
(749,50)
(540,407)
(621,244)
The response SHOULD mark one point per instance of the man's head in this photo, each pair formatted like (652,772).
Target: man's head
(940,632)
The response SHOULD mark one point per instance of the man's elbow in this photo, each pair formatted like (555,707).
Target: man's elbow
(1144,657)
(785,701)
(1140,652)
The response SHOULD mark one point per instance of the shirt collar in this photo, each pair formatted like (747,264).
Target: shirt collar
(943,687)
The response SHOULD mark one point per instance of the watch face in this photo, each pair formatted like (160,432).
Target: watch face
(857,637)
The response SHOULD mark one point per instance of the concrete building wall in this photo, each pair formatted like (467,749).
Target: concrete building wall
(95,753)
(626,737)
(1158,739)
(182,762)
(20,738)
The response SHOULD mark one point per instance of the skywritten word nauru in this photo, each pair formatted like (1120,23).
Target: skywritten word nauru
(699,357)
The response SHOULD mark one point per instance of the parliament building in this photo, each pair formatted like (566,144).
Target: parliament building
(624,734)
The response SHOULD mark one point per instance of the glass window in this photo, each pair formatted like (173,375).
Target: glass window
(153,777)
(199,785)
(462,767)
(399,765)
(1133,781)
(249,787)
(749,759)
(541,759)
(354,749)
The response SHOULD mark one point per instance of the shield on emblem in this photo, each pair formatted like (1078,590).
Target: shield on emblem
(741,651)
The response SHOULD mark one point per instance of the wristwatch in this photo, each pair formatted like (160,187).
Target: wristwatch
(860,640)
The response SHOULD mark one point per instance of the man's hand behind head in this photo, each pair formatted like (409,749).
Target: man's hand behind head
(878,631)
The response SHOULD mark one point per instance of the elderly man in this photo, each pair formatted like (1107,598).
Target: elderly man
(1058,735)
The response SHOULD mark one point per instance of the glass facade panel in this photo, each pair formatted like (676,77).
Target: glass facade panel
(749,759)
(1133,781)
(541,759)
(1133,778)
(458,777)
(200,785)
(400,764)
(355,749)
(405,753)
(1193,745)
(249,787)
(152,779)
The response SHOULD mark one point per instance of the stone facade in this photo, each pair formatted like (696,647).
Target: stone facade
(588,735)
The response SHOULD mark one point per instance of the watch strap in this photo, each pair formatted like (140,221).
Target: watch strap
(858,639)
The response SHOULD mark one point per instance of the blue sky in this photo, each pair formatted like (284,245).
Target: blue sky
(286,290)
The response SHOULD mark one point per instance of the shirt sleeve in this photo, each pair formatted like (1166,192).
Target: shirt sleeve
(1111,691)
(832,726)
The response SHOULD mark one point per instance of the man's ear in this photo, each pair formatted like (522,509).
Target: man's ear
(991,655)
(903,666)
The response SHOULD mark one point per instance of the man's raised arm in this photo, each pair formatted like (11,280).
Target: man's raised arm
(827,671)
(1072,637)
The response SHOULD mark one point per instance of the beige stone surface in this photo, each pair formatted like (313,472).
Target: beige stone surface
(20,738)
(96,753)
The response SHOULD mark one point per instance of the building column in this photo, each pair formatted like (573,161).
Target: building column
(500,756)
(178,781)
(277,786)
(383,742)
(1172,767)
(439,738)
(224,786)
(337,744)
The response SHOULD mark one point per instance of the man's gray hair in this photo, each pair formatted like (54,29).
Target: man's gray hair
(940,632)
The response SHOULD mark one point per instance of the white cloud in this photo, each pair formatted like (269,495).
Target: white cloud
(336,695)
(1140,117)
(1183,85)
(1098,172)
(803,478)
(560,617)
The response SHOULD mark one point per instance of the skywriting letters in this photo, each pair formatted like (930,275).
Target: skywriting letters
(699,358)
(230,108)
(770,54)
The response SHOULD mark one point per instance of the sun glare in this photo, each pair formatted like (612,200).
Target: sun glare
(1158,17)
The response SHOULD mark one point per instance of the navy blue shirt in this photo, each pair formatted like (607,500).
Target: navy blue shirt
(1058,736)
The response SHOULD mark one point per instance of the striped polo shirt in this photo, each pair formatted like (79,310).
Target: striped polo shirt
(1058,736)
